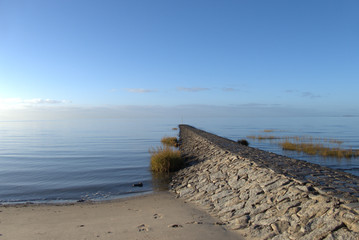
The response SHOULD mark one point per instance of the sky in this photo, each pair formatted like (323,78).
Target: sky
(117,58)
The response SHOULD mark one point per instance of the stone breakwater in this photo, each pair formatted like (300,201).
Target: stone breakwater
(264,195)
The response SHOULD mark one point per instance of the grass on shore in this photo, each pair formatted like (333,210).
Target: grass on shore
(319,149)
(166,159)
(170,141)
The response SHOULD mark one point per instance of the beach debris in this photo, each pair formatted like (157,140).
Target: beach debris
(175,226)
(140,184)
(81,200)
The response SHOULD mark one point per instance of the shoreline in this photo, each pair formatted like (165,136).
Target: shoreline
(74,202)
(157,215)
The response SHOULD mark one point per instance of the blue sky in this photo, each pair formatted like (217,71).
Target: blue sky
(212,57)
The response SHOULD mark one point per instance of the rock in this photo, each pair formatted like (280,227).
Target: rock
(342,234)
(137,184)
(350,219)
(185,191)
(321,230)
(239,223)
(264,195)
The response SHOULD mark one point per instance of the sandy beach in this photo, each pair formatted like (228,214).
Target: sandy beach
(153,216)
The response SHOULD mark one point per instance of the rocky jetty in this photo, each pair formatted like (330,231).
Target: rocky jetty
(264,195)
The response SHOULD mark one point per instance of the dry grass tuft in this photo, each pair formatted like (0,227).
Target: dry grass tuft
(166,159)
(268,130)
(263,137)
(319,149)
(170,141)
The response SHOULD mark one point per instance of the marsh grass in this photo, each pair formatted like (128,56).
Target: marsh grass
(268,130)
(319,149)
(294,138)
(310,145)
(264,137)
(166,159)
(170,141)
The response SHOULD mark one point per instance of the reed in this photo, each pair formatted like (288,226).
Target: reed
(335,141)
(319,149)
(170,141)
(312,139)
(294,138)
(268,130)
(309,145)
(264,137)
(166,159)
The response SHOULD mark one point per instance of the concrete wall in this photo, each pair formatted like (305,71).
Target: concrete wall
(264,195)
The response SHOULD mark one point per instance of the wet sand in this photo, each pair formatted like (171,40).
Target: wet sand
(153,216)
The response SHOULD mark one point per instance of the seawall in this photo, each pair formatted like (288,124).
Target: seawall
(264,195)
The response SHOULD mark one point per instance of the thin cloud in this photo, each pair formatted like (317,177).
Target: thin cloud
(195,89)
(140,90)
(306,94)
(19,103)
(310,95)
(255,105)
(230,89)
(44,101)
(32,101)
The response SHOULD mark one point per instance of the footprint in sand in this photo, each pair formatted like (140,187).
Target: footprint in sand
(143,228)
(157,216)
(219,223)
(194,222)
(131,209)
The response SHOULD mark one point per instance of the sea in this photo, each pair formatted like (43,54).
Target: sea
(101,159)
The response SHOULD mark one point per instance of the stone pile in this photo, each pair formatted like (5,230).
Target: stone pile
(264,195)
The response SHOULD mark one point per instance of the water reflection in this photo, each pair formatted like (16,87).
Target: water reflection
(160,181)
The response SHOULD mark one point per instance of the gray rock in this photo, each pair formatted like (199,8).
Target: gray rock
(342,234)
(264,195)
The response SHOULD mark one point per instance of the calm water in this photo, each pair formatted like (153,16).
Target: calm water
(345,129)
(50,161)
